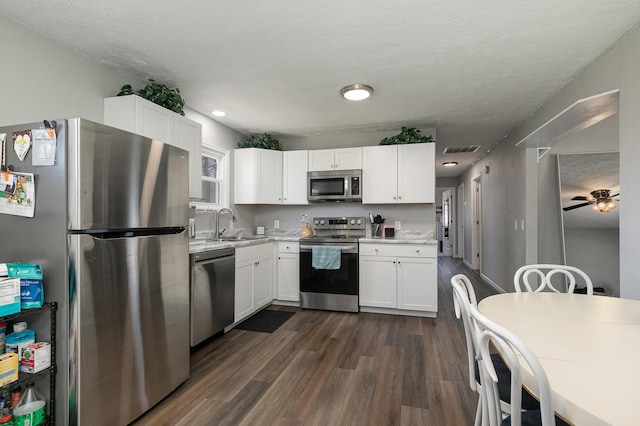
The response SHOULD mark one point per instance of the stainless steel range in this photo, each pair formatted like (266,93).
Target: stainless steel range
(335,287)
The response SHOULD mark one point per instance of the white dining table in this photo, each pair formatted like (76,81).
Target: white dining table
(589,347)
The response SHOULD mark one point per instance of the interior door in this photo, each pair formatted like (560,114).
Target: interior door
(446,223)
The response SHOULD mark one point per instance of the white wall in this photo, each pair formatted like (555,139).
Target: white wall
(598,252)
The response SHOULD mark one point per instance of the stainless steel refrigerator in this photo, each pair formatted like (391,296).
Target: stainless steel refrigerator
(109,228)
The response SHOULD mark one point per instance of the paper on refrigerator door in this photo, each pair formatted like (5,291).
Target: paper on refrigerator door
(17,194)
(44,147)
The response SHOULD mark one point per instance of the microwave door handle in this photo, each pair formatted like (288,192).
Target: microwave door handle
(347,192)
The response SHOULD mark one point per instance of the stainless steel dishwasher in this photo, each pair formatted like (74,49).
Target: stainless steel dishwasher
(212,292)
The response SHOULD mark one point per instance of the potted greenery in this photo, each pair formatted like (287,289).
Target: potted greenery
(407,135)
(159,94)
(264,141)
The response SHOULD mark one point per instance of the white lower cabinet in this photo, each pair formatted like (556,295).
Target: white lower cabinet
(399,277)
(253,283)
(288,272)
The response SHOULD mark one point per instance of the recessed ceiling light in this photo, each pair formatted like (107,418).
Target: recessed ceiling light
(356,92)
(219,113)
(450,164)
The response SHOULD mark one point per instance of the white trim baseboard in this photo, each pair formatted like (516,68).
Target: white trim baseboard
(492,284)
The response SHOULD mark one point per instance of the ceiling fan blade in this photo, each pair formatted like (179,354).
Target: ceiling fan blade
(615,195)
(576,206)
(579,198)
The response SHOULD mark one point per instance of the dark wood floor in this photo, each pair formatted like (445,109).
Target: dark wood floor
(331,368)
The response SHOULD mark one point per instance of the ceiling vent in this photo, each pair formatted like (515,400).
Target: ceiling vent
(461,149)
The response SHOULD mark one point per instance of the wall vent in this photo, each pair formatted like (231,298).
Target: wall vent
(461,149)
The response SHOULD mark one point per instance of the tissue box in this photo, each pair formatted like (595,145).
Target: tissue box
(8,368)
(35,357)
(9,296)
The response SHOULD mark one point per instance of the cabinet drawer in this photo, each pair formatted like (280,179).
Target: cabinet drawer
(289,247)
(254,252)
(402,250)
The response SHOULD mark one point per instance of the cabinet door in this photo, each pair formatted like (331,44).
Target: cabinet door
(294,177)
(418,284)
(289,277)
(187,134)
(378,281)
(153,121)
(348,158)
(243,304)
(321,159)
(262,282)
(269,176)
(379,174)
(416,173)
(244,176)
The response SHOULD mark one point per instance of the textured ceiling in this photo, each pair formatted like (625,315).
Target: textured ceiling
(471,69)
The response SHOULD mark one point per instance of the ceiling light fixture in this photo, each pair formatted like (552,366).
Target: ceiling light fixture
(219,113)
(356,92)
(450,164)
(601,200)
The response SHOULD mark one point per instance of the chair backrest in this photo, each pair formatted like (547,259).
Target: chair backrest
(512,349)
(544,273)
(463,297)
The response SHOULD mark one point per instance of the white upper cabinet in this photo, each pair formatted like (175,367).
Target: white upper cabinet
(335,159)
(396,174)
(257,176)
(294,177)
(138,115)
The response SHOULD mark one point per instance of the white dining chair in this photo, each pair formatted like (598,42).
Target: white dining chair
(464,297)
(544,273)
(513,350)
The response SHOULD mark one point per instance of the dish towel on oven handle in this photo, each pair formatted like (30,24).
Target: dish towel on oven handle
(325,257)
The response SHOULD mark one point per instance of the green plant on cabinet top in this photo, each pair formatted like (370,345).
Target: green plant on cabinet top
(406,136)
(264,141)
(159,94)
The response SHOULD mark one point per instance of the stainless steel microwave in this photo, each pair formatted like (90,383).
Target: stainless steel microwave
(334,185)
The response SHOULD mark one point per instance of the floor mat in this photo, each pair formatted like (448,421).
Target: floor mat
(265,321)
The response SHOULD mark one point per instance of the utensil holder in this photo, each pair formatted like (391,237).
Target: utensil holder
(376,230)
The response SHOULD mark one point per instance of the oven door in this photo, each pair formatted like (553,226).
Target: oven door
(330,289)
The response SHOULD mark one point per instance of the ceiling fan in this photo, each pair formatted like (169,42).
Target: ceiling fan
(601,199)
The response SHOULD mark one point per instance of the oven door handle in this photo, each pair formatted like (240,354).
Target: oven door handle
(342,248)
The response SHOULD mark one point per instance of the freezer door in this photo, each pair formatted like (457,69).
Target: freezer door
(129,325)
(120,180)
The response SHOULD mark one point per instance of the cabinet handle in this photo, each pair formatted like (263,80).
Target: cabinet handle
(394,198)
(399,198)
(394,262)
(418,251)
(376,250)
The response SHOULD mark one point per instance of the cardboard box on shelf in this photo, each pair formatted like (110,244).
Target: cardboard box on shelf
(35,357)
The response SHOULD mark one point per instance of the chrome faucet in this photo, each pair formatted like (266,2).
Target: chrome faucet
(216,235)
